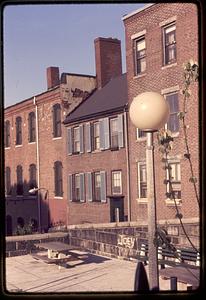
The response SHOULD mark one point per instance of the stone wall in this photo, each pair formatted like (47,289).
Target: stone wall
(121,240)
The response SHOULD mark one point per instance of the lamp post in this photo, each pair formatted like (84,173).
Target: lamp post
(149,112)
(33,191)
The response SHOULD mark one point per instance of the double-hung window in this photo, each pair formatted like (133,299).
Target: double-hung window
(142,180)
(174,179)
(141,134)
(32,176)
(114,133)
(19,175)
(77,187)
(116,182)
(173,122)
(7,134)
(8,181)
(97,186)
(18,131)
(140,55)
(76,139)
(57,120)
(32,127)
(58,180)
(96,133)
(169,43)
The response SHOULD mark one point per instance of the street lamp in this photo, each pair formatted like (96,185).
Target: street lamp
(149,112)
(32,192)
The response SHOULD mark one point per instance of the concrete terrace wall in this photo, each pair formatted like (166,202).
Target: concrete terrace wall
(112,239)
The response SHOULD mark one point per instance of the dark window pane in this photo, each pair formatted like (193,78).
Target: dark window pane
(58,179)
(57,120)
(18,131)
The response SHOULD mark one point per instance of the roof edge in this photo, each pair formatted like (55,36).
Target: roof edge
(137,11)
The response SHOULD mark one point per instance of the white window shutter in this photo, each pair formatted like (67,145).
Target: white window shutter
(88,137)
(102,139)
(89,187)
(106,133)
(69,188)
(69,141)
(120,131)
(81,135)
(82,190)
(103,186)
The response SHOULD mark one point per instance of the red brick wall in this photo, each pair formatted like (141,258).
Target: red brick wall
(108,59)
(156,79)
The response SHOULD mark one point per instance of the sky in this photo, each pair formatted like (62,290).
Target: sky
(39,36)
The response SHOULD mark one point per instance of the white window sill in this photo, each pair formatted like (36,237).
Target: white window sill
(139,76)
(143,139)
(6,148)
(169,66)
(97,151)
(19,196)
(18,146)
(31,143)
(57,138)
(142,200)
(170,202)
(58,197)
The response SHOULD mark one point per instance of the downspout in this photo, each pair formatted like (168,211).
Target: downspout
(38,165)
(128,165)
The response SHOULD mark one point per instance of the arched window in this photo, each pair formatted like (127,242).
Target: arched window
(58,179)
(57,120)
(8,181)
(7,134)
(32,127)
(32,176)
(19,176)
(8,225)
(18,131)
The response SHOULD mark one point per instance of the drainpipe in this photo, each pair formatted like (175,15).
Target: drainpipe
(38,165)
(128,165)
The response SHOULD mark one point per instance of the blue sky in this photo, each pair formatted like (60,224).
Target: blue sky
(38,36)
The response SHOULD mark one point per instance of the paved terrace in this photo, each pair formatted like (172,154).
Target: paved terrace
(95,274)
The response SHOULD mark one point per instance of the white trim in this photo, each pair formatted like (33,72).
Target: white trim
(120,179)
(140,75)
(169,66)
(57,138)
(7,148)
(30,143)
(142,200)
(140,163)
(171,202)
(169,90)
(58,197)
(138,34)
(137,11)
(18,146)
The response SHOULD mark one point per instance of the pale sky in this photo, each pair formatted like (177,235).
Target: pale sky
(38,36)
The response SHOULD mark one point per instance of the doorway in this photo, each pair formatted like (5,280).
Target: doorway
(116,209)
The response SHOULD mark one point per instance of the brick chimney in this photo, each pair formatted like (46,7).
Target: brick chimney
(52,77)
(108,59)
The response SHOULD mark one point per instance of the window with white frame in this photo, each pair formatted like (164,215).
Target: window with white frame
(77,187)
(96,133)
(174,178)
(116,182)
(114,132)
(97,186)
(76,139)
(142,180)
(140,55)
(169,43)
(173,122)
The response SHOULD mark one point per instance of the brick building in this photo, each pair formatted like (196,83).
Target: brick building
(76,142)
(34,151)
(160,38)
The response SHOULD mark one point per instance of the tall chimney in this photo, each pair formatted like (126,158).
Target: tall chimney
(52,77)
(108,59)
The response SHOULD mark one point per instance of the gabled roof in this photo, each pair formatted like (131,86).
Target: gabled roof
(112,97)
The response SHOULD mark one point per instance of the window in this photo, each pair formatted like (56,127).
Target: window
(32,127)
(140,134)
(8,181)
(97,186)
(174,175)
(7,134)
(76,140)
(57,120)
(96,130)
(140,55)
(77,187)
(58,179)
(169,39)
(116,182)
(114,133)
(32,176)
(142,180)
(19,175)
(173,123)
(18,131)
